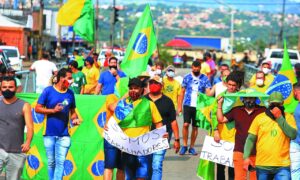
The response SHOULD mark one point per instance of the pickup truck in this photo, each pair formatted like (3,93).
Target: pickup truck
(275,56)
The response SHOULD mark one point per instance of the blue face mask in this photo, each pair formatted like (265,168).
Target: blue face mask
(171,73)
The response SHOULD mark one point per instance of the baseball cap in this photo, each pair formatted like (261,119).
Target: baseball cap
(135,81)
(157,79)
(276,97)
(170,68)
(144,74)
(10,69)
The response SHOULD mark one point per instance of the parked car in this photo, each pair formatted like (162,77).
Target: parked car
(275,56)
(16,61)
(119,54)
(4,61)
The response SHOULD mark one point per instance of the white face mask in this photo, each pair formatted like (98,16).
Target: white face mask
(70,81)
(259,82)
(170,73)
(158,71)
(266,70)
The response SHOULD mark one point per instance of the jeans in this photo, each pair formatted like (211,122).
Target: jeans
(295,160)
(56,150)
(136,166)
(14,163)
(283,173)
(157,164)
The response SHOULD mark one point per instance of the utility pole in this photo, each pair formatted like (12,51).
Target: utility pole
(280,35)
(59,28)
(40,43)
(299,40)
(96,26)
(232,32)
(112,29)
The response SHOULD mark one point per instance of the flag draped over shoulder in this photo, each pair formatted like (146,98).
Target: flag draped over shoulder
(284,81)
(85,159)
(80,15)
(141,46)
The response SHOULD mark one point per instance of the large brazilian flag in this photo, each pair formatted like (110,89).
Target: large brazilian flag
(85,159)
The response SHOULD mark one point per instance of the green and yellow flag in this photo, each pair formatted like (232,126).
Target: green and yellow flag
(85,159)
(284,81)
(80,15)
(141,46)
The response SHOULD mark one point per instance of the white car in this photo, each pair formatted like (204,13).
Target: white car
(119,54)
(16,61)
(275,56)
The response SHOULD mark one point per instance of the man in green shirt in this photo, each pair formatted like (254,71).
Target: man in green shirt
(78,77)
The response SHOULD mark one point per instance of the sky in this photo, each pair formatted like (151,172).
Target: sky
(292,6)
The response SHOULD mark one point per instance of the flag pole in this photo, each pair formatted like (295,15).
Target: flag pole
(157,46)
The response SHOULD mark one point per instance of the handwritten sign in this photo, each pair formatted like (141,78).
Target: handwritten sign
(145,144)
(221,153)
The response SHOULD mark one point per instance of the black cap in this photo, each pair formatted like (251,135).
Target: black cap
(297,66)
(135,81)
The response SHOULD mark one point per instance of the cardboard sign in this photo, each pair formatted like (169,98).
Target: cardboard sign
(145,144)
(221,153)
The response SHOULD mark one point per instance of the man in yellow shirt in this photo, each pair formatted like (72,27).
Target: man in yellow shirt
(171,87)
(136,115)
(205,69)
(269,77)
(260,82)
(272,131)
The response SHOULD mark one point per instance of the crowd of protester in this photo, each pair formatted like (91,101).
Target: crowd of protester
(266,138)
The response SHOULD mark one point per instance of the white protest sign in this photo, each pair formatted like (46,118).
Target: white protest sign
(221,153)
(145,144)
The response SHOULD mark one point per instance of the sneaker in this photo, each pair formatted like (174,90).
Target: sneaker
(183,150)
(192,151)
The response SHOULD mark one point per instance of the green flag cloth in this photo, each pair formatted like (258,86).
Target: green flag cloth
(121,87)
(85,159)
(141,46)
(284,81)
(84,25)
(203,111)
(206,170)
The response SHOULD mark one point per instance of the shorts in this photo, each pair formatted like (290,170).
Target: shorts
(136,166)
(189,115)
(112,157)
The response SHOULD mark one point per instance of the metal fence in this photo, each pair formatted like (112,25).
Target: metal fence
(28,78)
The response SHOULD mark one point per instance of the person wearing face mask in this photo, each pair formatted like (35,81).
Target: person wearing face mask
(271,132)
(192,84)
(167,111)
(243,117)
(297,71)
(136,114)
(57,102)
(109,78)
(91,74)
(79,81)
(260,82)
(171,87)
(15,114)
(269,77)
(295,143)
(221,87)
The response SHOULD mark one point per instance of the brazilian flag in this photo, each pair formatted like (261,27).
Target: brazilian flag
(85,159)
(141,46)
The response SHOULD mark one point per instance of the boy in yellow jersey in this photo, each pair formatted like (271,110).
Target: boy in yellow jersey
(136,114)
(171,87)
(272,131)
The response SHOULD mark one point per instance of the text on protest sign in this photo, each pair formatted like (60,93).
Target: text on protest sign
(145,144)
(221,153)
